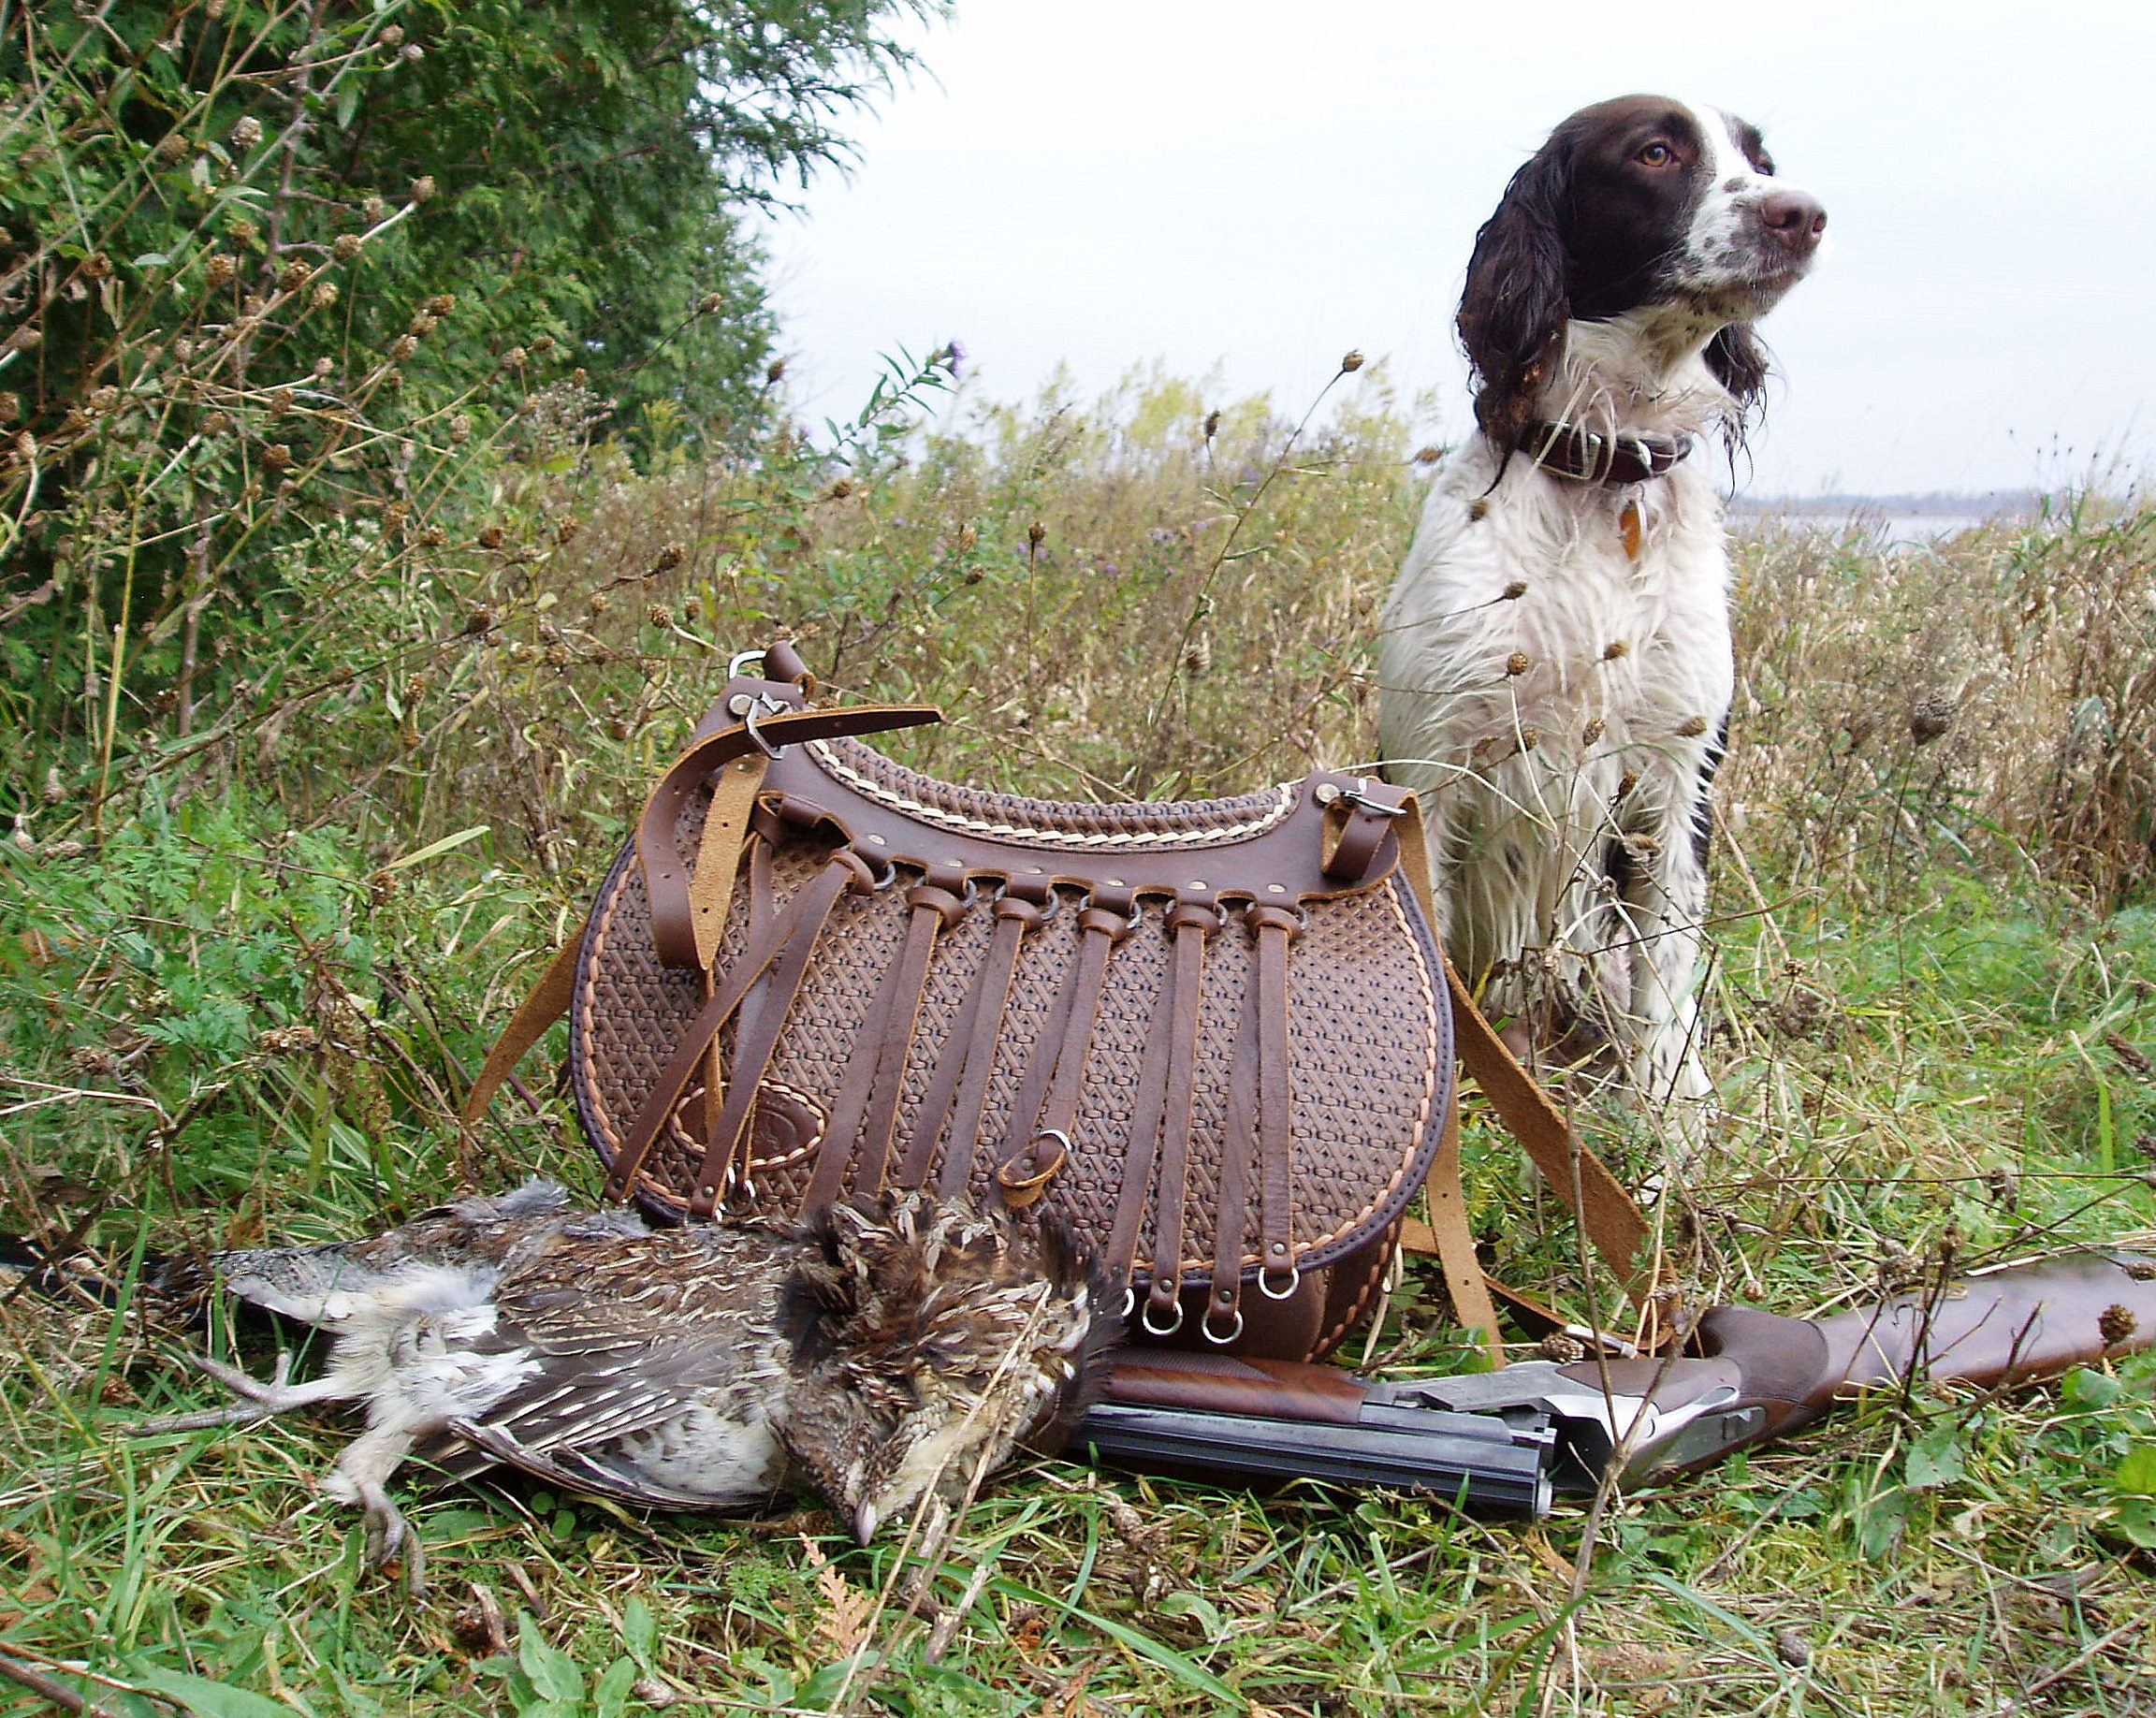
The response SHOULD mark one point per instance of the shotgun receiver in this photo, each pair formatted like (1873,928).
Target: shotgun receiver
(1502,1443)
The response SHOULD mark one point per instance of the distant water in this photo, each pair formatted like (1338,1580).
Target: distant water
(1889,529)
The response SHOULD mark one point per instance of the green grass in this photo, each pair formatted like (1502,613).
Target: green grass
(1931,980)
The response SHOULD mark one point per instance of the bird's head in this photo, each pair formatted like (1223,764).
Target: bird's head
(931,1340)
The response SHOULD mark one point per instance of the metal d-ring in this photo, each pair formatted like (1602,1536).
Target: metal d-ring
(741,660)
(1221,1341)
(1294,1282)
(1145,1318)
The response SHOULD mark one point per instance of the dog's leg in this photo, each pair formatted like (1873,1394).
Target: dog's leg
(1666,902)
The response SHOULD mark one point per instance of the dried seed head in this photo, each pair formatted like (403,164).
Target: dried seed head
(1198,658)
(434,537)
(171,147)
(1518,664)
(1036,535)
(324,295)
(690,609)
(392,36)
(565,529)
(253,304)
(10,407)
(672,556)
(248,132)
(773,371)
(412,54)
(1692,727)
(402,347)
(1931,716)
(480,619)
(1615,649)
(492,537)
(216,424)
(1352,363)
(1626,783)
(599,602)
(660,615)
(441,304)
(286,1039)
(841,489)
(968,537)
(324,368)
(1530,739)
(423,325)
(1515,590)
(104,399)
(514,357)
(277,456)
(1212,425)
(422,187)
(2116,1324)
(55,790)
(293,276)
(280,402)
(543,343)
(1561,1347)
(710,304)
(373,210)
(219,269)
(460,429)
(1591,732)
(1428,455)
(579,376)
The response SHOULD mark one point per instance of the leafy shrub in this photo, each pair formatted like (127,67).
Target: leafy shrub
(272,272)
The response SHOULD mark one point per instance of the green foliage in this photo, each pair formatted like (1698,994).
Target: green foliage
(273,272)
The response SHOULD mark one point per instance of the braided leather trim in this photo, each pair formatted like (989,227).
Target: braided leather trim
(1198,823)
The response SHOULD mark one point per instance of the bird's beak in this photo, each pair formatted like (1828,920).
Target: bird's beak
(866,1521)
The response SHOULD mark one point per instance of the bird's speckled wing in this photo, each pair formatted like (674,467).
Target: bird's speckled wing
(632,1336)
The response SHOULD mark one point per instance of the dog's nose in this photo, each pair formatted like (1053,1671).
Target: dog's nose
(1793,219)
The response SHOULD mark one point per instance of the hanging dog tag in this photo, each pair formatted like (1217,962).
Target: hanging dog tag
(1628,529)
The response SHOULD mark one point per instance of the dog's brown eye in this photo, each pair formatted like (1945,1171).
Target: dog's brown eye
(1656,155)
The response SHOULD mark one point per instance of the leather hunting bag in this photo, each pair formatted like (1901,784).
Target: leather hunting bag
(1216,1036)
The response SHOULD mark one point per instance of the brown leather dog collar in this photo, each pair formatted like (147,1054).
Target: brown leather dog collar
(1586,456)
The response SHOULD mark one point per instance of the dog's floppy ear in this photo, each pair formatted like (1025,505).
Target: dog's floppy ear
(1513,312)
(1739,362)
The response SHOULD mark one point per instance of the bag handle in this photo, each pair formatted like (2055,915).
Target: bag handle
(768,717)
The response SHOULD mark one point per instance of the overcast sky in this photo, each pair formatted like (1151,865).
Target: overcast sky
(1253,188)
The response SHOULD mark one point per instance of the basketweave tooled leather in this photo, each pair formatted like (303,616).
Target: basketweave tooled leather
(1358,1059)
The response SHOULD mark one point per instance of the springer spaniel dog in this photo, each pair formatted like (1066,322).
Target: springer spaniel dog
(1555,668)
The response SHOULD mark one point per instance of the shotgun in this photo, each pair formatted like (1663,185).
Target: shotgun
(1505,1443)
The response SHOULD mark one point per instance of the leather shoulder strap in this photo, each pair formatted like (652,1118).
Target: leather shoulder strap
(1613,1221)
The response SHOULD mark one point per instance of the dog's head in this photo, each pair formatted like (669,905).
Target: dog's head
(1636,205)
